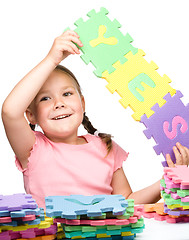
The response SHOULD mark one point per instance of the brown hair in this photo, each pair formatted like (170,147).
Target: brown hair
(106,138)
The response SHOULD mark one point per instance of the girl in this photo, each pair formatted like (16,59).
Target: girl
(58,161)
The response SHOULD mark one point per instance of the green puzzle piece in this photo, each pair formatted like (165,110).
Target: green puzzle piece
(83,228)
(183,193)
(103,43)
(170,201)
(133,228)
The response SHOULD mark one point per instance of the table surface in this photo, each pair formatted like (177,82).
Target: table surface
(161,230)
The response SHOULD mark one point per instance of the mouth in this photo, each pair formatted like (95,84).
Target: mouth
(61,117)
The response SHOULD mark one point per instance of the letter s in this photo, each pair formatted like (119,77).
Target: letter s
(176,120)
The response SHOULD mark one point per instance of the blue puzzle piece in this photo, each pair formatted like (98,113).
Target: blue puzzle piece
(71,206)
(21,213)
(13,224)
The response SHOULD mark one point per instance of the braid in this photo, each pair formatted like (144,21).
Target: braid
(106,138)
(88,125)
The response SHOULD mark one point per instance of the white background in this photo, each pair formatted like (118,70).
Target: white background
(160,28)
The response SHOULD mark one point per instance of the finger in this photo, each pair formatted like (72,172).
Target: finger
(66,47)
(183,153)
(169,161)
(73,39)
(70,32)
(178,155)
(187,152)
(73,46)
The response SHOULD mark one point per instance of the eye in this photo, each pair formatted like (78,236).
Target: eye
(66,94)
(44,99)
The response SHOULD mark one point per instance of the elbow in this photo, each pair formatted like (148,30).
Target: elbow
(127,195)
(7,112)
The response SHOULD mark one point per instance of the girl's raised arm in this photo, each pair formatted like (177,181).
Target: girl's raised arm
(19,133)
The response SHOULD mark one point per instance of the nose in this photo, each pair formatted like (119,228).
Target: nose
(59,104)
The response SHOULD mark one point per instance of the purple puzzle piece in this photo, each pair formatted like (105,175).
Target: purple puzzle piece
(168,125)
(175,212)
(16,202)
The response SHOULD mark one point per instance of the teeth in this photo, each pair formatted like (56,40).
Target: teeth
(61,117)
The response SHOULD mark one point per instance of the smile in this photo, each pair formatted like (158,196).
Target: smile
(61,117)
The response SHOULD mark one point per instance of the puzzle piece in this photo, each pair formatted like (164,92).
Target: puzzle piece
(176,196)
(183,193)
(172,203)
(85,228)
(175,212)
(21,213)
(102,230)
(97,222)
(17,202)
(157,207)
(43,224)
(71,206)
(31,233)
(139,84)
(179,174)
(127,236)
(130,215)
(167,113)
(149,212)
(103,43)
(47,237)
(168,190)
(170,184)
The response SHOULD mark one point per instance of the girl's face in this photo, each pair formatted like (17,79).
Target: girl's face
(58,108)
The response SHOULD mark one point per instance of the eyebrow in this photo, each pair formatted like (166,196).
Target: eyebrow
(47,91)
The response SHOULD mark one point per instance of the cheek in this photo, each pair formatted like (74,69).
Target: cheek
(80,108)
(42,112)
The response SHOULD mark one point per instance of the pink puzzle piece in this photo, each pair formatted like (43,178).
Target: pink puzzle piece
(179,174)
(9,219)
(169,183)
(176,196)
(29,233)
(97,222)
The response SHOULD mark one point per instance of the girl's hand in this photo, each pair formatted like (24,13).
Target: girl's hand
(181,155)
(63,46)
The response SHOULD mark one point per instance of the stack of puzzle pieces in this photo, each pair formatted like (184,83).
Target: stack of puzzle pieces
(95,217)
(154,102)
(20,218)
(175,193)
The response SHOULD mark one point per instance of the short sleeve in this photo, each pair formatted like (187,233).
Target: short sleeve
(120,155)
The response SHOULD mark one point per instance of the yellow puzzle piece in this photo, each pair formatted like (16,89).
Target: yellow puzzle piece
(43,224)
(139,84)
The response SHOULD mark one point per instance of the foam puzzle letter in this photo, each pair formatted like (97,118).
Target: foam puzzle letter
(101,39)
(175,122)
(136,83)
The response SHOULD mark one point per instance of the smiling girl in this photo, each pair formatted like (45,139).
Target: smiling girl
(57,161)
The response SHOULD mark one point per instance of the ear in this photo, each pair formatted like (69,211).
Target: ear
(30,116)
(83,103)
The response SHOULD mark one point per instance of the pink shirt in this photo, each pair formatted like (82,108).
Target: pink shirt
(64,169)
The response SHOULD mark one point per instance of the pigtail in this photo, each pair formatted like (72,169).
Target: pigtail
(106,138)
